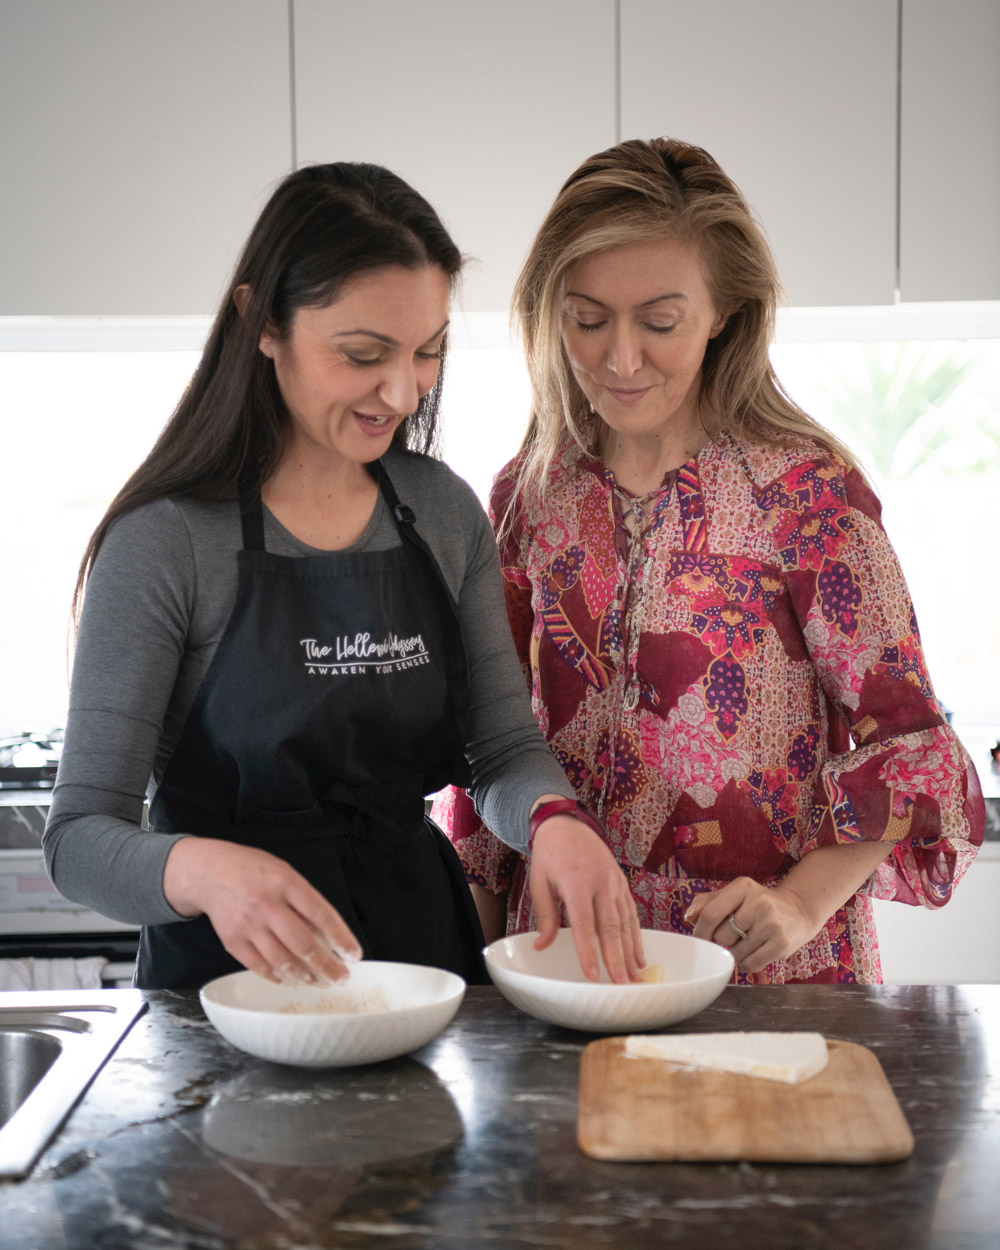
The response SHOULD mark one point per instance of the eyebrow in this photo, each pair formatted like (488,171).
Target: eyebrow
(384,338)
(645,304)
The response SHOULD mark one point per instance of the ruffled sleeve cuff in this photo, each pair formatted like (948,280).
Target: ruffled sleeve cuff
(919,791)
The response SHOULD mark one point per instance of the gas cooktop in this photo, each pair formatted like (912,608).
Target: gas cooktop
(29,761)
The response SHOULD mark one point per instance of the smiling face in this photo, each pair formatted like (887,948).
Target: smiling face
(352,371)
(635,324)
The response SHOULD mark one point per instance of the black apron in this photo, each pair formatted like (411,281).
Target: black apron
(335,701)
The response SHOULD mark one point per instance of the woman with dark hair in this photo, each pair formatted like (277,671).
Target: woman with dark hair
(292,632)
(705,604)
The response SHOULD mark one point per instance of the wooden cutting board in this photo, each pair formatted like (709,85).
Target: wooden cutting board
(644,1109)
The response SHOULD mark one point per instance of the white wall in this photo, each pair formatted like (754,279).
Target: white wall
(958,943)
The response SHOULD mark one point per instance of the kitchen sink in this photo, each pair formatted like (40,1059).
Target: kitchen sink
(52,1045)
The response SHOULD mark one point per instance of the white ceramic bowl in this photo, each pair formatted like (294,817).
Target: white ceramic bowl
(384,1010)
(550,984)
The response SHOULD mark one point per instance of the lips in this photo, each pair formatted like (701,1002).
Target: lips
(375,425)
(628,396)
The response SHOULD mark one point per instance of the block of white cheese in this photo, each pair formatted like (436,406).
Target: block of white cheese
(791,1057)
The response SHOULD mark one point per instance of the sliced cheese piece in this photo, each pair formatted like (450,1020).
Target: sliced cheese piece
(791,1057)
(652,974)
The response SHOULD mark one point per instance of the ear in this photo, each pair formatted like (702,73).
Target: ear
(241,298)
(717,325)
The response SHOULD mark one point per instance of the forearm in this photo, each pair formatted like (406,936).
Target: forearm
(513,768)
(111,866)
(506,792)
(96,852)
(128,656)
(822,881)
(761,925)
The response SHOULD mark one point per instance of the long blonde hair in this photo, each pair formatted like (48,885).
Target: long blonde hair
(634,192)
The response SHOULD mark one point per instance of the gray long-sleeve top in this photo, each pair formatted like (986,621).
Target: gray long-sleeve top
(157,604)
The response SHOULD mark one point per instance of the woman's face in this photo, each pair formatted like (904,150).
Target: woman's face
(352,371)
(635,324)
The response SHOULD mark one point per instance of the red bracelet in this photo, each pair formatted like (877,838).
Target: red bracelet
(555,807)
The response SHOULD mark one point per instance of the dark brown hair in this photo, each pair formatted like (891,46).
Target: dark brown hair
(323,225)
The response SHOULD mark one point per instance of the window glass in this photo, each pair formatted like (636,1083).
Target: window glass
(923,416)
(74,426)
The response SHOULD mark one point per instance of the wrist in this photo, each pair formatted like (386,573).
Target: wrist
(810,911)
(182,875)
(561,807)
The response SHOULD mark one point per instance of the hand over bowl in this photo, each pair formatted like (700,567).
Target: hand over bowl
(550,984)
(382,1011)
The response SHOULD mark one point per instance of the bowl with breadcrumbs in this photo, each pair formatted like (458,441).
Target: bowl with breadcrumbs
(682,976)
(383,1010)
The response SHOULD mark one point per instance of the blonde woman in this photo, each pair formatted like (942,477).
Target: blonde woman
(720,645)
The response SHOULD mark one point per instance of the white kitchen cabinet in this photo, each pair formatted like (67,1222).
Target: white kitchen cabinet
(138,140)
(950,150)
(796,99)
(138,143)
(484,108)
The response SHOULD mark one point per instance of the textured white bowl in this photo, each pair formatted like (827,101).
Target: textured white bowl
(550,984)
(247,1011)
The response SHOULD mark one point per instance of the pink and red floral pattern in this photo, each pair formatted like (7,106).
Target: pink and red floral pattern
(782,701)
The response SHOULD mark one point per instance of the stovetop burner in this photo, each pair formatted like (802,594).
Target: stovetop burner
(29,761)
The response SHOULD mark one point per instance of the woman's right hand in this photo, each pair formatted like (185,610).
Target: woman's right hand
(571,865)
(265,913)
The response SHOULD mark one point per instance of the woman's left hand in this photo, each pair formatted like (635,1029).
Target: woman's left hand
(572,866)
(776,921)
(779,920)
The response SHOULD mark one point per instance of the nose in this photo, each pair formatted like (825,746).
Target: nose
(399,390)
(624,352)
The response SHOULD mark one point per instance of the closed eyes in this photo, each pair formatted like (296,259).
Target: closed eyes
(588,326)
(364,361)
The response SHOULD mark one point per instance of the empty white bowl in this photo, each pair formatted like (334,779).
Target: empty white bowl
(383,1010)
(550,984)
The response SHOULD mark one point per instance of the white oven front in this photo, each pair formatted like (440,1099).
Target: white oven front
(36,921)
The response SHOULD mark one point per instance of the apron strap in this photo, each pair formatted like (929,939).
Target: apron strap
(252,521)
(405,521)
(403,514)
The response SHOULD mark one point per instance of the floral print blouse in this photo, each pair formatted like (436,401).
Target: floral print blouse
(769,695)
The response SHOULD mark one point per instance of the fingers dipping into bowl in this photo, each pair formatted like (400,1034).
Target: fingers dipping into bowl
(550,984)
(385,1010)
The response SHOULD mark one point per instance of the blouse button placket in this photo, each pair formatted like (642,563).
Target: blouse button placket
(630,593)
(628,672)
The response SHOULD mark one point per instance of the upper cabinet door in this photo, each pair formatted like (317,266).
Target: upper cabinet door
(950,152)
(485,108)
(796,100)
(139,142)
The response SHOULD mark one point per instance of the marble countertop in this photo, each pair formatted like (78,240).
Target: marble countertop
(183,1143)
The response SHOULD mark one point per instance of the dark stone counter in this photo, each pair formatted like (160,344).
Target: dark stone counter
(184,1142)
